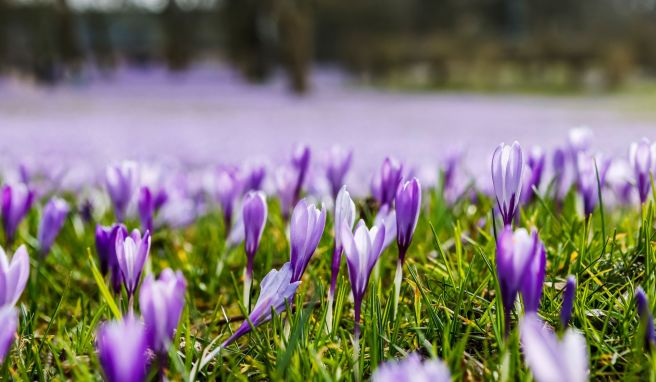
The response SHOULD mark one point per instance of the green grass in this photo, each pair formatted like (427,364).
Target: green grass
(448,309)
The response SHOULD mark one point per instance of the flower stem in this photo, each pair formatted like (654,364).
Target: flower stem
(248,283)
(397,286)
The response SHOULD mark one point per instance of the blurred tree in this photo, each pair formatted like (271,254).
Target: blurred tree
(177,33)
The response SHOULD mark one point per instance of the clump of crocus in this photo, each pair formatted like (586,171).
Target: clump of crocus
(408,203)
(535,165)
(254,216)
(337,166)
(121,181)
(518,269)
(131,253)
(161,302)
(569,294)
(16,202)
(507,166)
(13,275)
(549,358)
(412,369)
(344,216)
(362,249)
(52,221)
(305,230)
(643,158)
(646,317)
(301,163)
(8,326)
(122,350)
(385,183)
(106,248)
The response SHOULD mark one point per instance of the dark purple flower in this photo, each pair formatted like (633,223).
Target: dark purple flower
(253,177)
(646,316)
(161,302)
(106,248)
(569,294)
(507,165)
(535,165)
(121,181)
(8,326)
(13,275)
(534,277)
(16,202)
(254,216)
(643,158)
(52,220)
(412,369)
(122,350)
(228,188)
(305,230)
(408,204)
(339,163)
(131,254)
(146,207)
(385,184)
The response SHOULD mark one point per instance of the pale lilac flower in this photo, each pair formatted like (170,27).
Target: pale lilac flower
(161,302)
(551,359)
(385,183)
(16,202)
(253,217)
(412,369)
(8,326)
(306,227)
(301,163)
(586,179)
(532,178)
(569,294)
(228,188)
(285,184)
(507,165)
(52,221)
(131,253)
(408,204)
(559,162)
(339,163)
(580,140)
(344,216)
(386,216)
(643,159)
(122,350)
(121,181)
(13,275)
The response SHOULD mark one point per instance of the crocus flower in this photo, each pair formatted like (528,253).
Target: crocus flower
(106,248)
(412,369)
(306,227)
(122,350)
(161,302)
(535,164)
(254,216)
(301,163)
(643,158)
(568,301)
(580,139)
(551,359)
(387,216)
(285,183)
(131,253)
(647,318)
(8,326)
(54,215)
(16,202)
(362,250)
(385,184)
(339,163)
(228,188)
(146,207)
(559,161)
(586,181)
(534,277)
(507,164)
(13,275)
(253,177)
(515,255)
(408,203)
(121,181)
(344,216)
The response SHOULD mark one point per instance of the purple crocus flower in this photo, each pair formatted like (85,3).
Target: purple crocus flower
(339,163)
(559,161)
(146,207)
(362,250)
(344,216)
(535,164)
(305,230)
(579,139)
(408,203)
(385,184)
(106,248)
(586,180)
(412,369)
(285,183)
(534,277)
(568,301)
(122,350)
(643,158)
(387,216)
(16,202)
(52,220)
(121,181)
(253,177)
(647,318)
(254,216)
(507,165)
(8,326)
(161,302)
(301,163)
(228,188)
(549,358)
(131,254)
(514,257)
(13,275)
